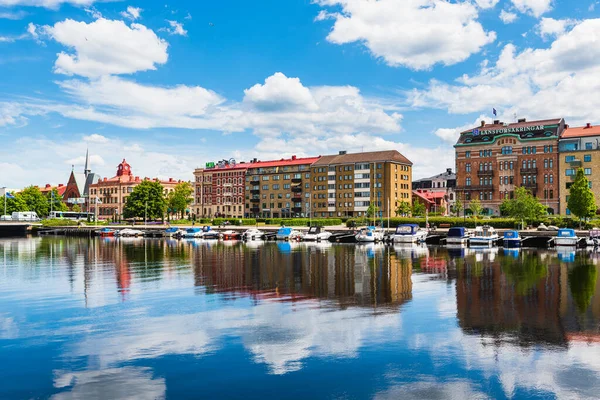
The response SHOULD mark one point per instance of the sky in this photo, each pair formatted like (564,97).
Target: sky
(172,85)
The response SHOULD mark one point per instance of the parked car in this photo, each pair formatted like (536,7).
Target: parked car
(6,218)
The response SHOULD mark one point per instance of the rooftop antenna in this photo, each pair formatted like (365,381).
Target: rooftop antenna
(515,117)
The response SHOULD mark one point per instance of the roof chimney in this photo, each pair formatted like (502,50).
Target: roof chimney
(449,171)
(293,157)
(521,120)
(343,152)
(588,125)
(496,122)
(482,123)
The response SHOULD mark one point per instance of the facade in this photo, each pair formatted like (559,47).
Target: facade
(493,159)
(220,190)
(78,186)
(344,185)
(110,194)
(278,189)
(579,148)
(438,190)
(434,202)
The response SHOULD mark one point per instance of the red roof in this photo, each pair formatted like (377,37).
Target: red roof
(48,188)
(583,131)
(422,196)
(429,195)
(283,162)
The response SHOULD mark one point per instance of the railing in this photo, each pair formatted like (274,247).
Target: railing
(255,182)
(255,200)
(296,180)
(530,185)
(255,191)
(529,171)
(297,189)
(485,173)
(489,188)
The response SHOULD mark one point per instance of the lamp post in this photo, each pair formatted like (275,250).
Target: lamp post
(4,188)
(145,212)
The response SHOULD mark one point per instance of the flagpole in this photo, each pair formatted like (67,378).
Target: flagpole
(4,200)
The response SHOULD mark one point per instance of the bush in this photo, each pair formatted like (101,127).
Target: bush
(58,222)
(304,221)
(234,221)
(500,223)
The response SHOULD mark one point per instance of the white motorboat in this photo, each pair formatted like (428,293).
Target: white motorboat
(511,239)
(316,234)
(566,237)
(208,233)
(230,235)
(409,233)
(253,234)
(130,233)
(458,236)
(593,239)
(192,233)
(285,233)
(370,234)
(173,232)
(484,236)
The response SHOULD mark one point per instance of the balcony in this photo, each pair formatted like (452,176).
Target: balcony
(529,171)
(575,162)
(297,189)
(297,197)
(296,180)
(255,209)
(255,191)
(255,182)
(227,185)
(255,200)
(485,173)
(530,185)
(487,188)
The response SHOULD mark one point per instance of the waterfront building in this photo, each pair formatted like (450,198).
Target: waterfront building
(438,191)
(78,186)
(278,189)
(344,185)
(110,194)
(219,190)
(493,159)
(579,148)
(434,202)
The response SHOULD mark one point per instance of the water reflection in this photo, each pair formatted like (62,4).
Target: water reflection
(133,318)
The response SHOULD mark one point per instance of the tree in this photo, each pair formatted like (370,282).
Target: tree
(14,204)
(35,201)
(373,210)
(524,206)
(418,209)
(457,207)
(581,202)
(180,198)
(147,199)
(475,207)
(403,209)
(76,208)
(55,200)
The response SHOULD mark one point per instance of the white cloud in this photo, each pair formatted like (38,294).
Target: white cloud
(132,13)
(550,27)
(95,138)
(413,33)
(568,72)
(485,4)
(176,28)
(13,15)
(508,17)
(533,7)
(53,4)
(280,93)
(94,12)
(451,135)
(94,160)
(106,47)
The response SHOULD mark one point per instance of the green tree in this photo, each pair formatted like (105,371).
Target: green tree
(373,210)
(581,202)
(582,282)
(524,206)
(457,207)
(418,209)
(403,209)
(15,204)
(55,200)
(76,208)
(475,207)
(147,199)
(180,198)
(35,201)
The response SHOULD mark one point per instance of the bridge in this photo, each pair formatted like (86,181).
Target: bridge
(12,229)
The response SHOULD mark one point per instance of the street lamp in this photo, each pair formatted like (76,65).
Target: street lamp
(4,189)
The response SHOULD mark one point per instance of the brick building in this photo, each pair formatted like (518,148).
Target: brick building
(579,148)
(493,159)
(344,185)
(220,190)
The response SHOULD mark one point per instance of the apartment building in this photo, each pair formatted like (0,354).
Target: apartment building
(579,148)
(219,190)
(493,159)
(278,189)
(344,185)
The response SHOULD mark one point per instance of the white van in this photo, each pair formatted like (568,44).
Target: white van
(27,216)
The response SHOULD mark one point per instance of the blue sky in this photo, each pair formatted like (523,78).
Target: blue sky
(172,86)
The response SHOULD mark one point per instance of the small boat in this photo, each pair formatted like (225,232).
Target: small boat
(511,239)
(208,233)
(316,234)
(106,232)
(458,235)
(173,232)
(593,239)
(285,233)
(130,233)
(370,234)
(409,233)
(230,235)
(191,233)
(484,236)
(253,234)
(566,237)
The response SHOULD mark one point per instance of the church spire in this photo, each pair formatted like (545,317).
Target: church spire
(87,171)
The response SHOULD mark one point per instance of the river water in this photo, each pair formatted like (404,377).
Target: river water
(152,319)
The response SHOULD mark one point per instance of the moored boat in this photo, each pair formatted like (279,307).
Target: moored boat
(173,232)
(409,233)
(285,233)
(484,236)
(316,234)
(253,234)
(230,235)
(566,237)
(593,239)
(130,233)
(208,233)
(370,234)
(511,239)
(191,233)
(458,236)
(106,232)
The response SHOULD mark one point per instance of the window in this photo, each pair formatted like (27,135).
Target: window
(468,182)
(467,154)
(551,161)
(569,158)
(545,163)
(551,178)
(587,171)
(588,146)
(570,172)
(511,165)
(587,158)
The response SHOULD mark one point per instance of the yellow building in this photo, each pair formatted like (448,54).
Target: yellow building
(579,148)
(344,185)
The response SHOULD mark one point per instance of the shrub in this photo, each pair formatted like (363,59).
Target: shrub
(58,222)
(234,221)
(304,221)
(505,223)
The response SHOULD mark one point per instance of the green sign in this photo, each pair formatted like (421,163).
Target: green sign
(210,165)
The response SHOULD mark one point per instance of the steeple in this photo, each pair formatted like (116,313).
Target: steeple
(87,171)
